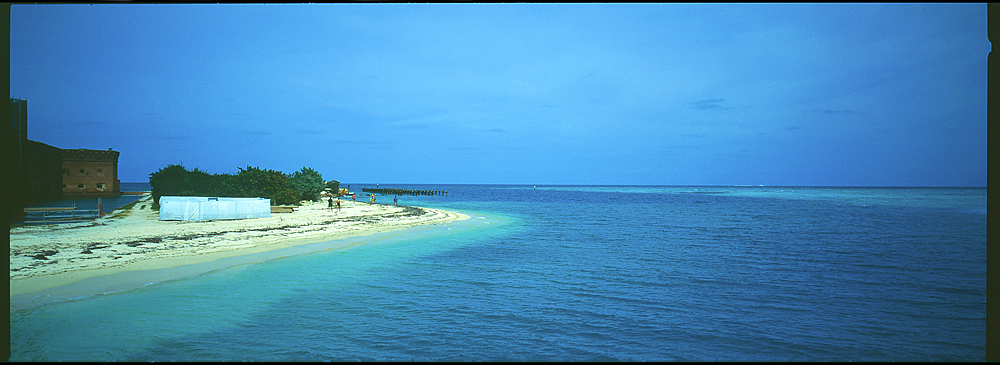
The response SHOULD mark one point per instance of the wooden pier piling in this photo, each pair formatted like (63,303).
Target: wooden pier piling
(391,191)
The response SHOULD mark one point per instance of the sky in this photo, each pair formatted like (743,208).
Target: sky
(574,94)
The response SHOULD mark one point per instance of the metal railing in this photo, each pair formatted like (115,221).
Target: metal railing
(59,215)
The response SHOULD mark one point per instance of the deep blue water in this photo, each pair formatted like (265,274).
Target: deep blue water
(135,186)
(579,273)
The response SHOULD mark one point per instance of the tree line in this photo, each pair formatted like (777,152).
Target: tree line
(281,188)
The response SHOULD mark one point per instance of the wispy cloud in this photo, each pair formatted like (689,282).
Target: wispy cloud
(174,137)
(89,123)
(374,83)
(832,111)
(419,125)
(707,104)
(358,142)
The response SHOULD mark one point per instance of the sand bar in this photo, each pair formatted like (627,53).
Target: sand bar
(134,240)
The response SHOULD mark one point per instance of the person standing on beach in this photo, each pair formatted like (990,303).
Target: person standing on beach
(395,200)
(329,204)
(352,198)
(338,204)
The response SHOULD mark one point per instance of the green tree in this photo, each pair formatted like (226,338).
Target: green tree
(308,182)
(223,185)
(198,183)
(265,183)
(167,181)
(175,180)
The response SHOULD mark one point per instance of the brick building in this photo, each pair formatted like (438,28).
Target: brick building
(31,169)
(90,172)
(35,172)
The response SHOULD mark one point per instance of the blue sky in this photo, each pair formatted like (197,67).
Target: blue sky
(643,94)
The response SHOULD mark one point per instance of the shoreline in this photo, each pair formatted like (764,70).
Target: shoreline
(47,258)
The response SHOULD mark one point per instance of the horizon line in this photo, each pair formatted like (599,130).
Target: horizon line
(659,185)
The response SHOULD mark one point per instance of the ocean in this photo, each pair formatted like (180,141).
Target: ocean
(578,273)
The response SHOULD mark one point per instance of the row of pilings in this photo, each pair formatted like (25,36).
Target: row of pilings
(404,191)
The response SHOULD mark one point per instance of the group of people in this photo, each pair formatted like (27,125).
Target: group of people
(330,202)
(395,200)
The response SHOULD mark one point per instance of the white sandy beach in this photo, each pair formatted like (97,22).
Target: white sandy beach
(47,256)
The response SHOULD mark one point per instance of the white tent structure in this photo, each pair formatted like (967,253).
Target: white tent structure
(200,208)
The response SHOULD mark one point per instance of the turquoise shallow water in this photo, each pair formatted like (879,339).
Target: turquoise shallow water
(579,273)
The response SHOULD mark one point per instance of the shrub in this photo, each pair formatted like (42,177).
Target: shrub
(282,189)
(308,183)
(265,183)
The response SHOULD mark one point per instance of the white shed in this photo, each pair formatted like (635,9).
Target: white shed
(201,208)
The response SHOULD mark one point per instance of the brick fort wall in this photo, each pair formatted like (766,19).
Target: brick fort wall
(90,172)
